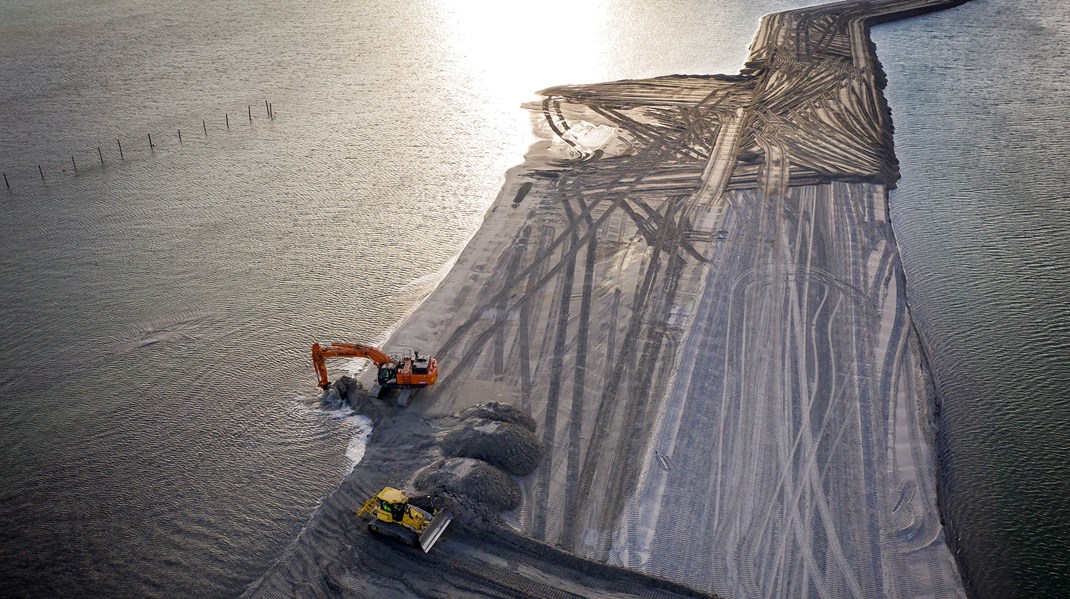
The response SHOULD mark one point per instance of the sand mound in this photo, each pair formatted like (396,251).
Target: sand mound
(501,412)
(347,391)
(511,447)
(473,487)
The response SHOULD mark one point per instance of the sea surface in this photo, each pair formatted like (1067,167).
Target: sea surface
(159,434)
(980,97)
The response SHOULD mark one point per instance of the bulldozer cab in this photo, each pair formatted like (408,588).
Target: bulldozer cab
(395,510)
(389,505)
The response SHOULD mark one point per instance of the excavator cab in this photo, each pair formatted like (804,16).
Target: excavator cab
(388,373)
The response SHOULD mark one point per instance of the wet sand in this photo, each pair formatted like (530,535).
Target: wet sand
(692,286)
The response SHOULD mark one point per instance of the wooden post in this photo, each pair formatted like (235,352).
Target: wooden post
(250,113)
(6,183)
(120,150)
(179,136)
(101,154)
(205,127)
(267,107)
(227,116)
(75,164)
(150,142)
(42,171)
(271,112)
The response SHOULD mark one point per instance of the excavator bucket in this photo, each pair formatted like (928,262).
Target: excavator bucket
(435,529)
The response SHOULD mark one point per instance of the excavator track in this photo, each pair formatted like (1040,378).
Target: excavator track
(398,396)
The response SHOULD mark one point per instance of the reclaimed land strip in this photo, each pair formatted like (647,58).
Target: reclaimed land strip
(693,287)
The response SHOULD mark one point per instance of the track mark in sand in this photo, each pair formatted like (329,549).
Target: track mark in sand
(614,317)
(665,237)
(609,400)
(649,158)
(522,193)
(558,130)
(626,460)
(523,341)
(476,343)
(580,372)
(516,252)
(650,225)
(553,394)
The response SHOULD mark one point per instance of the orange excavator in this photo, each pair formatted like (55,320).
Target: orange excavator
(394,372)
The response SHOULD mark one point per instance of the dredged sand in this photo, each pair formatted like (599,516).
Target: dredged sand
(693,288)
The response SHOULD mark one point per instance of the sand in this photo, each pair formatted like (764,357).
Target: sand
(693,290)
(480,489)
(512,448)
(501,412)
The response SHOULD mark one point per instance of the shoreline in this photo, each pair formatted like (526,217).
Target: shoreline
(697,295)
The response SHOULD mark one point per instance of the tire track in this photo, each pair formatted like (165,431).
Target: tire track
(516,252)
(549,429)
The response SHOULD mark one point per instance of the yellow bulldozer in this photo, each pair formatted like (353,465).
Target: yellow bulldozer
(394,515)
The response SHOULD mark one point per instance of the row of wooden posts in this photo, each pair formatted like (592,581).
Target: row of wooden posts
(152,147)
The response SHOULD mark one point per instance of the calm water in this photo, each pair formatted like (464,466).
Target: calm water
(156,434)
(979,96)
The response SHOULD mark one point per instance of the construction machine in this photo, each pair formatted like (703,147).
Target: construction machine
(394,515)
(413,371)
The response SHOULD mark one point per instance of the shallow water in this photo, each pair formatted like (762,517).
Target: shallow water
(979,96)
(158,429)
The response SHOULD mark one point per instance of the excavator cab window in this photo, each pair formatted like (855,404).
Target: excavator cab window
(387,373)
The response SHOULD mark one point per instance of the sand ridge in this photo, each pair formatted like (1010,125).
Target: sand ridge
(693,289)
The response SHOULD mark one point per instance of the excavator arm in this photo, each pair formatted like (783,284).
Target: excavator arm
(344,350)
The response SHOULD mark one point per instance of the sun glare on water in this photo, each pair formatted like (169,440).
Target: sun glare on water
(518,47)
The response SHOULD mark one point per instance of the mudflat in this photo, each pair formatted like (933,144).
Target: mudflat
(692,288)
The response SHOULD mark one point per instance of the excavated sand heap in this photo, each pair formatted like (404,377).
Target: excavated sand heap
(475,487)
(492,441)
(502,412)
(511,447)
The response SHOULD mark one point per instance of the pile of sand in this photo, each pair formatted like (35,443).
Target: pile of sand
(348,392)
(502,412)
(492,441)
(509,446)
(474,488)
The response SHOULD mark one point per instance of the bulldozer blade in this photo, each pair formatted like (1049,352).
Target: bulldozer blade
(435,529)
